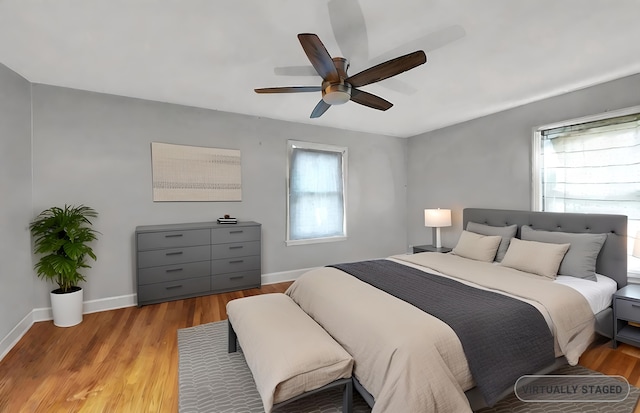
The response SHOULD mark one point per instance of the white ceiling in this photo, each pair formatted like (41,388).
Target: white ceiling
(482,56)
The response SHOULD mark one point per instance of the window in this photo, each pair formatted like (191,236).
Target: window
(592,165)
(316,195)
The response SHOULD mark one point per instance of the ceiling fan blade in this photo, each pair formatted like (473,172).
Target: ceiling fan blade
(429,42)
(320,108)
(318,56)
(307,70)
(289,89)
(350,30)
(367,99)
(399,86)
(387,69)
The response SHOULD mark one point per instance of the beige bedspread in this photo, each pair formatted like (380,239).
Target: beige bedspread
(410,361)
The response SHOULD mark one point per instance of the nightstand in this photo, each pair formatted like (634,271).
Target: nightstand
(429,248)
(626,313)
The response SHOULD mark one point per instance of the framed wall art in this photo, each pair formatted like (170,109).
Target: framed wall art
(194,173)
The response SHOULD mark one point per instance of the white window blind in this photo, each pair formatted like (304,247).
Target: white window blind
(316,193)
(593,167)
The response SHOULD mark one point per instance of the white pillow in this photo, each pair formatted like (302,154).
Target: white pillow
(539,258)
(477,247)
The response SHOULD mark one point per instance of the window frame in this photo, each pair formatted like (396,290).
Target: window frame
(536,172)
(343,151)
(536,179)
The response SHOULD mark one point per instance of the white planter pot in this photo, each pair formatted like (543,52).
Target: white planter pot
(67,308)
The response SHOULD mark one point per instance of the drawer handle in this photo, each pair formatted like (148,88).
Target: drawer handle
(237,247)
(236,232)
(174,253)
(635,305)
(171,287)
(238,277)
(173,235)
(175,269)
(236,262)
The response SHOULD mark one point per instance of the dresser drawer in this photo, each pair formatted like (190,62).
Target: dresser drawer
(236,264)
(173,289)
(157,258)
(627,310)
(236,281)
(166,273)
(178,261)
(173,239)
(235,234)
(235,249)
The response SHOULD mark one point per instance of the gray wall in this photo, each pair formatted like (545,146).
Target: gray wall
(94,149)
(16,273)
(82,147)
(486,162)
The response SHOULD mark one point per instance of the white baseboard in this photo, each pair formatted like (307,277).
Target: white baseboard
(92,306)
(278,277)
(110,303)
(42,314)
(11,339)
(45,314)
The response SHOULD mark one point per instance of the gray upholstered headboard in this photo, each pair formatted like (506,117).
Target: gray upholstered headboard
(612,260)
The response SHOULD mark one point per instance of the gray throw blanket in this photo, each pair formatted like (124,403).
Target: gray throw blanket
(503,338)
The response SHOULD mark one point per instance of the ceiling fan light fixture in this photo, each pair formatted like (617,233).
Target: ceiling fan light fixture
(337,94)
(338,87)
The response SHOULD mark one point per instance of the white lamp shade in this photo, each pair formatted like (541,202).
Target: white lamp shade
(437,218)
(636,246)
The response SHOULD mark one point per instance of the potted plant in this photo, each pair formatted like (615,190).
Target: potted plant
(62,236)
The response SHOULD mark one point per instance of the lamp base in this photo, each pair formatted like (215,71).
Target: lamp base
(438,240)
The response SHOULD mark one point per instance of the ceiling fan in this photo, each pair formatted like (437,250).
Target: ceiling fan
(338,87)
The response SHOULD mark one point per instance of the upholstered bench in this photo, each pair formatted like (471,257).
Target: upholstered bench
(289,354)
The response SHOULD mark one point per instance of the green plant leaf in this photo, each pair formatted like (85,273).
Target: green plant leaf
(62,235)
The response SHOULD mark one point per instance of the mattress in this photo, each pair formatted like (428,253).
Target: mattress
(599,294)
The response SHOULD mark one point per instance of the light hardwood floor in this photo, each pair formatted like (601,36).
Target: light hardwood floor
(126,360)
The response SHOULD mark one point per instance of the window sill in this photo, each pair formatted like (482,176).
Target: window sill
(290,243)
(633,277)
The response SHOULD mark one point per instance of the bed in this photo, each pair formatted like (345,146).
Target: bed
(408,360)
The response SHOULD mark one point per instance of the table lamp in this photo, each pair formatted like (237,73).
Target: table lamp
(437,218)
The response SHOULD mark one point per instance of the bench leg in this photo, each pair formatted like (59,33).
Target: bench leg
(347,397)
(233,339)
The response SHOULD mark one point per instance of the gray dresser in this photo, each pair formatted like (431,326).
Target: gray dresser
(187,260)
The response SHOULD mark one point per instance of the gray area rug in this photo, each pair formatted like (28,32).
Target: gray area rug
(211,380)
